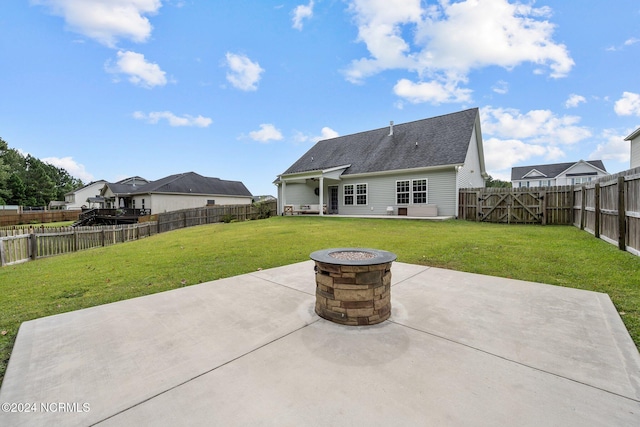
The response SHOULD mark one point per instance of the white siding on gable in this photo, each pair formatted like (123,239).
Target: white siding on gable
(578,174)
(81,195)
(635,152)
(470,175)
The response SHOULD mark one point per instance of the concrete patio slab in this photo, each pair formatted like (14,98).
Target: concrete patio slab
(459,349)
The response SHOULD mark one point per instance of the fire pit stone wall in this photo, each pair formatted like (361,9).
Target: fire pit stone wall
(353,285)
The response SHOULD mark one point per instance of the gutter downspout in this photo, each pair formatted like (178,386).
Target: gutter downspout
(321,193)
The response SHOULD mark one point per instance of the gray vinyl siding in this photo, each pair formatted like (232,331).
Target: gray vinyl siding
(302,194)
(381,193)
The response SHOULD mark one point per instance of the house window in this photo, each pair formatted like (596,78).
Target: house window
(419,191)
(355,194)
(361,194)
(402,192)
(142,204)
(348,194)
(581,180)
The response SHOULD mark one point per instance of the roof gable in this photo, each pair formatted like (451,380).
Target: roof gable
(437,141)
(550,170)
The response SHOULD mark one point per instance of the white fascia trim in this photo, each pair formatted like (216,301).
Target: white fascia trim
(301,176)
(335,168)
(410,170)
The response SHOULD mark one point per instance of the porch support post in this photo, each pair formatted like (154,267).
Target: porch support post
(321,193)
(283,201)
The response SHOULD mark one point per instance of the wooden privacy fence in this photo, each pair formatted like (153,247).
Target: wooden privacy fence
(539,205)
(38,217)
(24,244)
(211,214)
(608,208)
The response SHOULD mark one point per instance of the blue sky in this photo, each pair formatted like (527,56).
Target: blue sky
(240,89)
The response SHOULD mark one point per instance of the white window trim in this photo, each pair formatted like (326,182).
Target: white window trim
(411,192)
(354,194)
(408,192)
(366,194)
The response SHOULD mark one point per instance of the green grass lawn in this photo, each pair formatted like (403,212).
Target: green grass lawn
(557,255)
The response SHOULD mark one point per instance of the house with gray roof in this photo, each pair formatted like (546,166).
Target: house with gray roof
(85,196)
(174,192)
(634,138)
(550,175)
(412,169)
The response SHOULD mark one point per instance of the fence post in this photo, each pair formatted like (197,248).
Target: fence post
(543,196)
(622,215)
(596,198)
(2,255)
(583,206)
(33,246)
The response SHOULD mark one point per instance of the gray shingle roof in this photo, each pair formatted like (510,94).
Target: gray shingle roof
(550,170)
(193,183)
(442,140)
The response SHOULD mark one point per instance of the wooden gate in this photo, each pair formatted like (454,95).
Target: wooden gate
(539,205)
(524,207)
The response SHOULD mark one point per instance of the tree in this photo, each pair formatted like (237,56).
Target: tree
(18,190)
(4,174)
(490,182)
(40,188)
(29,181)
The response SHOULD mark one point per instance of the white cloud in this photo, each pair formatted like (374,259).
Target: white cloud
(267,132)
(536,126)
(140,72)
(433,92)
(452,38)
(631,41)
(243,74)
(613,148)
(74,168)
(106,20)
(500,154)
(512,137)
(574,100)
(173,120)
(501,87)
(301,13)
(628,105)
(325,133)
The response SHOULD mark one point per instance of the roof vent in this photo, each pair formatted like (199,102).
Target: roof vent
(391,128)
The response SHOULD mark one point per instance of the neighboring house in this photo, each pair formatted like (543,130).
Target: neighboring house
(77,199)
(118,194)
(175,192)
(557,174)
(635,148)
(412,169)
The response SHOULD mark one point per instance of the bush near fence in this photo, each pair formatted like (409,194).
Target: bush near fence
(19,245)
(608,208)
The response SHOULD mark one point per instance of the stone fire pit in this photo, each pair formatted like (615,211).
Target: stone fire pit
(353,285)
